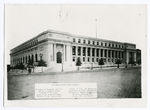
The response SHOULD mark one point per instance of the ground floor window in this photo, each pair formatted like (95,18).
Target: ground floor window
(96,59)
(73,59)
(83,59)
(88,59)
(104,60)
(92,59)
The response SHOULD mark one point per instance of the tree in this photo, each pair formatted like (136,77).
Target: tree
(16,66)
(78,62)
(132,62)
(42,63)
(21,66)
(139,62)
(118,62)
(34,65)
(101,62)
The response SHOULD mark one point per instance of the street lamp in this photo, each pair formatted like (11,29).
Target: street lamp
(91,66)
(41,60)
(62,66)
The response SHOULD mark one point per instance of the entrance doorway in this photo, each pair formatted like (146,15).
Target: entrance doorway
(59,57)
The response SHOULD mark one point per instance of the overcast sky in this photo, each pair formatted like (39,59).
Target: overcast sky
(124,23)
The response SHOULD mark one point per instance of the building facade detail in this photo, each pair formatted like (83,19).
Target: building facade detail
(60,47)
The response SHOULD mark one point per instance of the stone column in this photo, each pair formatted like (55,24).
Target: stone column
(64,53)
(86,56)
(127,57)
(103,52)
(54,52)
(111,56)
(121,56)
(76,51)
(114,55)
(70,53)
(134,56)
(106,56)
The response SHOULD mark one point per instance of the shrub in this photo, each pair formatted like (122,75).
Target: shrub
(78,62)
(101,62)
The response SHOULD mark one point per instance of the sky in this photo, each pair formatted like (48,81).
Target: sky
(123,23)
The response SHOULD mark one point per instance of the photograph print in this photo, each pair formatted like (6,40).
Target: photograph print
(90,51)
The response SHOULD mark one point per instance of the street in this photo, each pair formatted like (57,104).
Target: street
(111,83)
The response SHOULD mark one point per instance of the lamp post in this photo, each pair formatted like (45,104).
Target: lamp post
(91,66)
(96,27)
(62,67)
(41,60)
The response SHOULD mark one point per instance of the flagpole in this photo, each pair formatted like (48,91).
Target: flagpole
(96,27)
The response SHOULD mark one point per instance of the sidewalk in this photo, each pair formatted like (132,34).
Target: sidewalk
(83,69)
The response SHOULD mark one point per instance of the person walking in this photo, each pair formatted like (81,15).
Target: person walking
(29,71)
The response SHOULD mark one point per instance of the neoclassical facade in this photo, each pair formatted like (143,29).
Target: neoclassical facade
(56,47)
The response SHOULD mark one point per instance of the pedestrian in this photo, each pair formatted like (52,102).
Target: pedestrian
(126,64)
(29,71)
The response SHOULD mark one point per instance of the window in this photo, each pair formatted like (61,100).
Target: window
(93,42)
(92,59)
(105,52)
(79,40)
(112,45)
(83,59)
(97,52)
(112,60)
(108,53)
(84,52)
(73,50)
(88,59)
(109,45)
(74,40)
(116,54)
(88,41)
(88,51)
(73,59)
(79,51)
(101,43)
(97,43)
(113,53)
(84,41)
(108,60)
(105,44)
(101,52)
(93,52)
(96,59)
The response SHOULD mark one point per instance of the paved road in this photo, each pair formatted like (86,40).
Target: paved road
(112,83)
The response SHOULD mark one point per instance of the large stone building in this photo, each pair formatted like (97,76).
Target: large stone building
(56,47)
